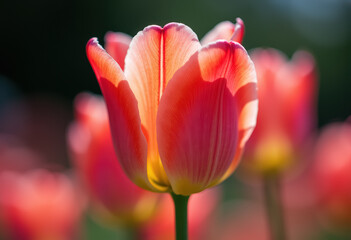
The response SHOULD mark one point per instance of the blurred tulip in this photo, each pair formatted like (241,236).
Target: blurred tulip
(39,205)
(286,116)
(201,209)
(300,207)
(114,197)
(242,221)
(247,221)
(285,121)
(180,113)
(333,173)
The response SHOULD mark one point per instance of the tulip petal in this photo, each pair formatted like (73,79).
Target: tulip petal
(129,141)
(225,31)
(300,96)
(204,115)
(117,44)
(247,98)
(154,55)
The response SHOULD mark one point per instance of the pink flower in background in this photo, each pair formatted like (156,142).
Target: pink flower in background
(246,220)
(180,113)
(287,114)
(242,221)
(114,197)
(332,167)
(202,207)
(39,205)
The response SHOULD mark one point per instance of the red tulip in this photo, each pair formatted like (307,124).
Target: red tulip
(180,113)
(114,197)
(332,173)
(286,114)
(39,205)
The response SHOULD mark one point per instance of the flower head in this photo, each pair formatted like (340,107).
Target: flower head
(180,113)
(39,205)
(332,167)
(286,115)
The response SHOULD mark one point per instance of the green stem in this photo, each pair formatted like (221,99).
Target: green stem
(274,207)
(181,216)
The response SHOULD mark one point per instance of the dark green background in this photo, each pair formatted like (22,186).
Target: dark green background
(42,44)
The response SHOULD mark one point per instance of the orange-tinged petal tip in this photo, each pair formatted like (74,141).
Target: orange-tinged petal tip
(239,31)
(226,31)
(92,41)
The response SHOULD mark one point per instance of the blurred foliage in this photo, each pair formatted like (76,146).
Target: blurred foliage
(93,230)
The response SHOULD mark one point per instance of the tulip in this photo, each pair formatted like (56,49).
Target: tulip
(39,205)
(114,197)
(180,114)
(286,115)
(285,122)
(332,167)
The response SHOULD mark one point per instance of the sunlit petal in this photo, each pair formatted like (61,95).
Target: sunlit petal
(154,55)
(226,31)
(287,113)
(204,106)
(129,141)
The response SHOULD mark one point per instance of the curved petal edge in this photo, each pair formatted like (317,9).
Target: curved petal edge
(204,116)
(129,141)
